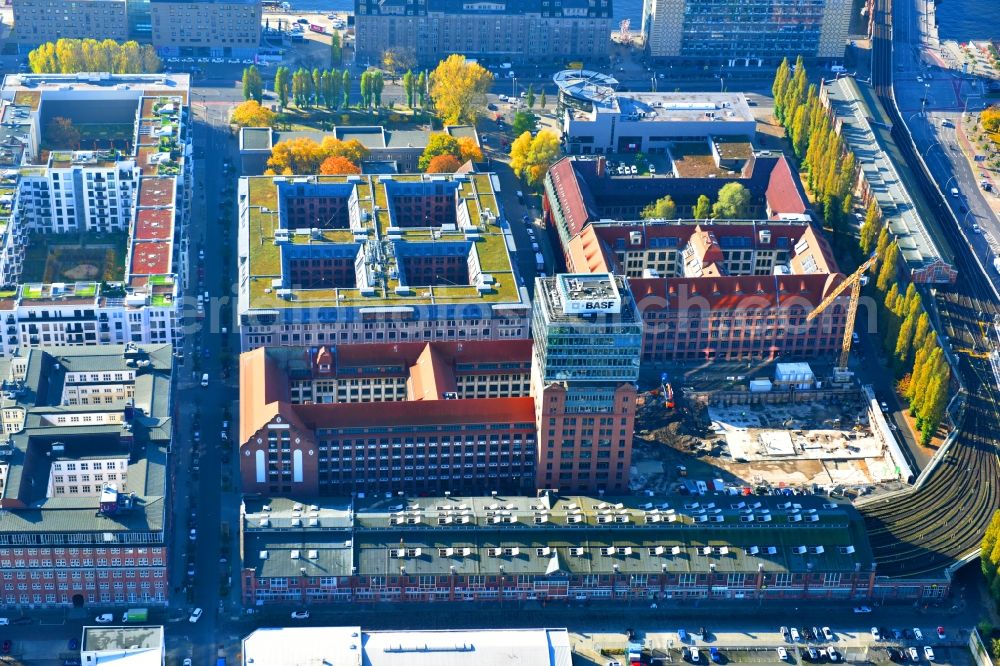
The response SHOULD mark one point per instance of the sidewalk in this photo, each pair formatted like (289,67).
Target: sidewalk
(979,169)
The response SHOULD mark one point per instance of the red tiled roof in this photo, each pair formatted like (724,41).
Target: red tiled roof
(783,193)
(150,258)
(156,192)
(407,353)
(741,292)
(431,376)
(420,413)
(154,223)
(571,201)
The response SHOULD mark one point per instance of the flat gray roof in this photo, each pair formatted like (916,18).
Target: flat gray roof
(866,130)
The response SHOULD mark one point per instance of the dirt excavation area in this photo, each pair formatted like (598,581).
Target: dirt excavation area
(758,447)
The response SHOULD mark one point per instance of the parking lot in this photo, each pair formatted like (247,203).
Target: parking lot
(807,645)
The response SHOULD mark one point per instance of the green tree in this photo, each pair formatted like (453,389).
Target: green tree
(733,202)
(409,87)
(61,134)
(524,121)
(282,85)
(702,209)
(541,99)
(439,144)
(661,209)
(781,80)
(883,242)
(887,273)
(530,96)
(869,228)
(422,89)
(317,87)
(377,85)
(326,85)
(336,50)
(299,88)
(336,93)
(345,88)
(253,84)
(366,89)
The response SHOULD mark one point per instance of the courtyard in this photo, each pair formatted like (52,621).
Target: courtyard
(75,258)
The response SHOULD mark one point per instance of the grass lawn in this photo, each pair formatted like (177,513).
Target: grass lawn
(74,258)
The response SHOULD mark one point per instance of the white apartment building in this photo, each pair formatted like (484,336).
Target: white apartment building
(136,199)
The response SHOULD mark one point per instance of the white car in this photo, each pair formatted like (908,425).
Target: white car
(875,634)
(106,618)
(193,535)
(914,655)
(195,615)
(867,609)
(795,634)
(300,615)
(929,652)
(782,654)
(187,661)
(827,634)
(917,634)
(695,657)
(832,653)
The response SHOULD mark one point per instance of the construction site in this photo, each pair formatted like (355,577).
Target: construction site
(836,440)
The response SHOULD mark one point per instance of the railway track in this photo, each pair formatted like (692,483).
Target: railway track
(923,531)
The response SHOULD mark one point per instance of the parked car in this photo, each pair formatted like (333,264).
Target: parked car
(813,654)
(914,655)
(695,657)
(917,634)
(832,653)
(782,654)
(715,655)
(106,618)
(827,634)
(300,615)
(867,609)
(876,634)
(794,634)
(195,615)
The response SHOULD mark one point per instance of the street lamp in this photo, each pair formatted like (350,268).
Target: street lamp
(513,88)
(928,149)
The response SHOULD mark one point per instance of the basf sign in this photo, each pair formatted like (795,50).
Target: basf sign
(589,294)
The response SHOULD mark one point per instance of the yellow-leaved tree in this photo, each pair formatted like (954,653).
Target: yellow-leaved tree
(304,156)
(458,89)
(531,157)
(252,114)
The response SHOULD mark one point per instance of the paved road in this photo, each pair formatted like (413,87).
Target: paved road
(933,101)
(203,482)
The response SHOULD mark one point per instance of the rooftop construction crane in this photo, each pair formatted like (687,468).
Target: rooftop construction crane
(852,310)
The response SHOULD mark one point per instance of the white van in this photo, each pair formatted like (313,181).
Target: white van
(204,379)
(954,191)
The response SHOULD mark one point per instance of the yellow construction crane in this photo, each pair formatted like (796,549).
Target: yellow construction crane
(852,310)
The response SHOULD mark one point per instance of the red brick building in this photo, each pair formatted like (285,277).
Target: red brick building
(409,417)
(83,481)
(720,289)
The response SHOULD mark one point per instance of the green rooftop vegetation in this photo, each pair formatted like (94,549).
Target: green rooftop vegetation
(265,257)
